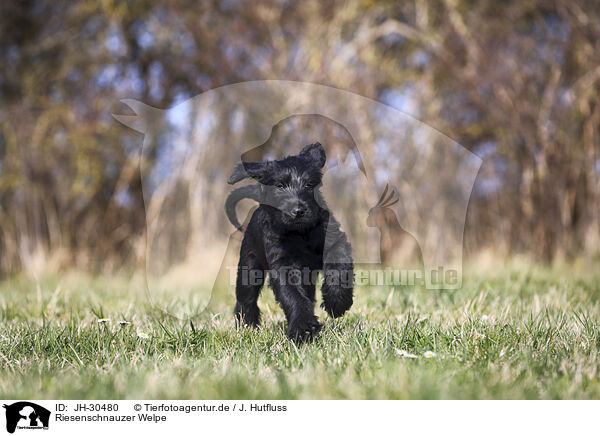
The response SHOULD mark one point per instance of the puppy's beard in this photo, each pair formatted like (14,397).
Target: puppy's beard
(294,223)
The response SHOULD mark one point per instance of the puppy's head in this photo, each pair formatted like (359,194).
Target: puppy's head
(290,185)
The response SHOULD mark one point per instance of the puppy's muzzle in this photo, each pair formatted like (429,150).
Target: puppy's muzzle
(297,210)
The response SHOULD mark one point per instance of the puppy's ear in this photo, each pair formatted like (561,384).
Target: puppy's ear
(238,173)
(316,153)
(256,170)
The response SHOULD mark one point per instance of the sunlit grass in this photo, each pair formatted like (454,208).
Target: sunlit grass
(514,333)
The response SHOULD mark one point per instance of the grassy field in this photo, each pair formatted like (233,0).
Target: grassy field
(516,333)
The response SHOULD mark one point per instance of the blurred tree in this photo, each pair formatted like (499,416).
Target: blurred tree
(515,82)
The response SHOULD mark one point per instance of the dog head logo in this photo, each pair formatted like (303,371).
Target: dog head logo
(26,415)
(190,151)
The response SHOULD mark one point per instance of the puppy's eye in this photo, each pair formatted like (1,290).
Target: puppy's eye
(279,185)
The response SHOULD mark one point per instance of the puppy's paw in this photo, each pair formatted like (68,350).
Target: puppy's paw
(303,329)
(247,315)
(336,301)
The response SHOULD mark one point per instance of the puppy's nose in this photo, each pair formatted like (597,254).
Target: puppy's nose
(298,211)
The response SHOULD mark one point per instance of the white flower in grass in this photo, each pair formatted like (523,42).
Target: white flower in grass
(103,320)
(404,353)
(124,323)
(478,335)
(143,335)
(484,318)
(429,355)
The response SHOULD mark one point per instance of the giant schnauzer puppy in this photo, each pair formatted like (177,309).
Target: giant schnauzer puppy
(293,236)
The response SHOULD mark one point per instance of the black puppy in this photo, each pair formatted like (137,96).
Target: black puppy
(292,236)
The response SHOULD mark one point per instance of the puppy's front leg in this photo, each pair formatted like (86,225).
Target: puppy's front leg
(250,278)
(338,271)
(295,299)
(337,288)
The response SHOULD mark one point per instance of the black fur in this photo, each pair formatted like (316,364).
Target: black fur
(293,236)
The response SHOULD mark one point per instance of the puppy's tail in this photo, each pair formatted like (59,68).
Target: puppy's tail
(249,191)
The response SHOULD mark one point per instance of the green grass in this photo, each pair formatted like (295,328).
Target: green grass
(519,333)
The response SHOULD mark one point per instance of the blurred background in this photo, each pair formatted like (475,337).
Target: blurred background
(516,83)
